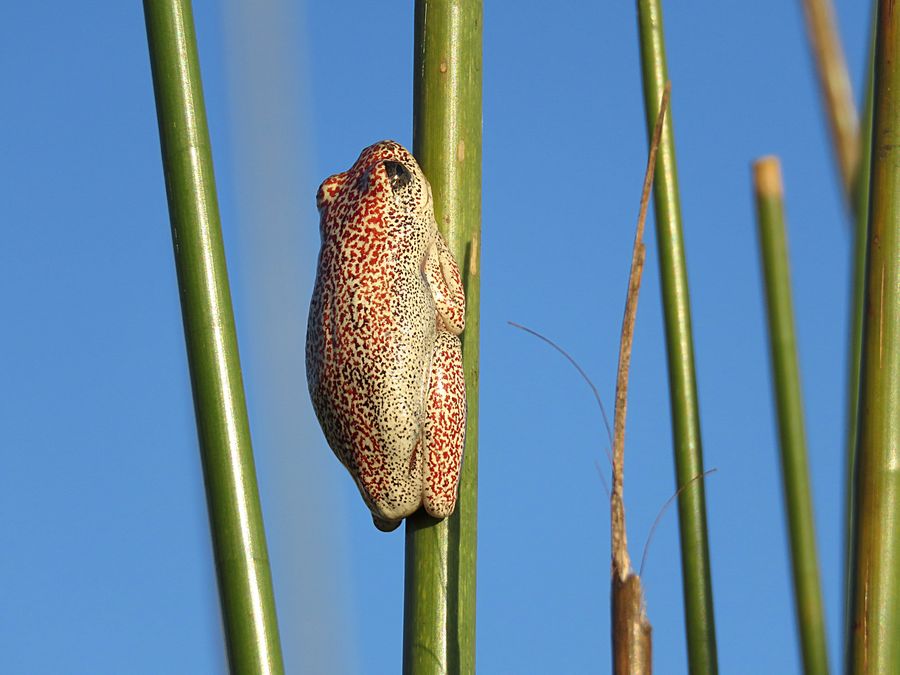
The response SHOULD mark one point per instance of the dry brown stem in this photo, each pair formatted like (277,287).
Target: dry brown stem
(837,93)
(631,631)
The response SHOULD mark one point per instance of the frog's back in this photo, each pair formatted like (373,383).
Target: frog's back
(370,336)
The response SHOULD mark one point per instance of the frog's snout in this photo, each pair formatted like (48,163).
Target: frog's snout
(329,189)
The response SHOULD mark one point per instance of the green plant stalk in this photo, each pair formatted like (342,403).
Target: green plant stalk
(789,400)
(858,285)
(874,623)
(439,608)
(698,603)
(239,543)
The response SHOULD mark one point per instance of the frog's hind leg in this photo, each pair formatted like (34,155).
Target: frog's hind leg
(445,426)
(445,283)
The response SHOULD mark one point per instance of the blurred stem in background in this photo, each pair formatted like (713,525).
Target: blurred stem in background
(874,621)
(789,405)
(837,94)
(439,608)
(239,544)
(698,603)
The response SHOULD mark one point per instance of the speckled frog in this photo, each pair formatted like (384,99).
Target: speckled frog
(383,356)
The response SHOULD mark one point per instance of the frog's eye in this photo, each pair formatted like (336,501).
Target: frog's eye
(398,175)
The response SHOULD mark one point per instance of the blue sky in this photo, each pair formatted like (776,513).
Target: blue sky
(106,555)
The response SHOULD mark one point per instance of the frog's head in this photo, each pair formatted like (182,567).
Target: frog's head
(385,175)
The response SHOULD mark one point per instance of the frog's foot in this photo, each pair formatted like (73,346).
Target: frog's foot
(393,488)
(385,525)
(445,427)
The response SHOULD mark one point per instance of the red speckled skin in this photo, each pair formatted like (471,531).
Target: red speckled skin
(383,356)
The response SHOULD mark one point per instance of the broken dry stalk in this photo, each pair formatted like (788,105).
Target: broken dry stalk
(631,631)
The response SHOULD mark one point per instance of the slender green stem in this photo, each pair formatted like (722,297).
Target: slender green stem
(698,603)
(439,611)
(875,572)
(239,543)
(792,434)
(858,285)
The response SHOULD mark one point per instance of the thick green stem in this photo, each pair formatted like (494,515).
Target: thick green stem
(789,400)
(239,543)
(439,611)
(698,603)
(875,571)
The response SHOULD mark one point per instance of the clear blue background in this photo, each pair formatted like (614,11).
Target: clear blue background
(105,555)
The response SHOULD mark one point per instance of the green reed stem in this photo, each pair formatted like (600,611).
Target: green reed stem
(698,603)
(239,543)
(858,286)
(789,405)
(439,611)
(875,570)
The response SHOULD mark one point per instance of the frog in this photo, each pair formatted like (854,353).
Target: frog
(383,350)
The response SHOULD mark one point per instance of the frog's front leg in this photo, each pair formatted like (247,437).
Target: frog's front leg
(445,426)
(446,286)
